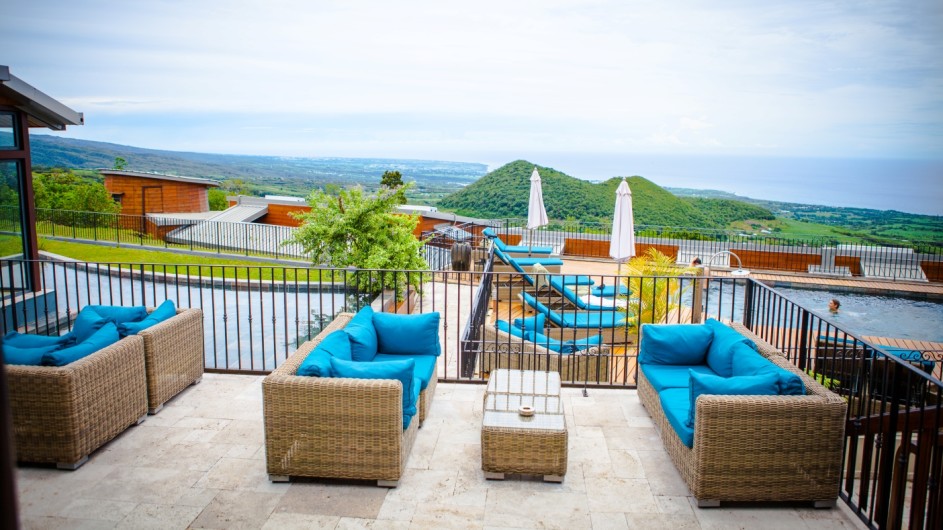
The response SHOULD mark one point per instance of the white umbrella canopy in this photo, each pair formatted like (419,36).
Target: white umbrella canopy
(536,213)
(622,243)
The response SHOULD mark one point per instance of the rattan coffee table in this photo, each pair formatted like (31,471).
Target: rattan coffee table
(517,444)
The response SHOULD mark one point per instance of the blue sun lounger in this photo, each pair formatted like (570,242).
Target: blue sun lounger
(578,319)
(609,291)
(595,303)
(516,263)
(516,249)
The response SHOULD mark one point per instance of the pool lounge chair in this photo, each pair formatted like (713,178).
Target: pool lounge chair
(586,303)
(516,250)
(502,350)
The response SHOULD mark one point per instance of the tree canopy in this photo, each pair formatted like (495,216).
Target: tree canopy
(61,189)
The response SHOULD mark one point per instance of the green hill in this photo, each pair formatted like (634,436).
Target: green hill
(504,193)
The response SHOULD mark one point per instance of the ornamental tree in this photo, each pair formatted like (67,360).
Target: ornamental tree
(355,229)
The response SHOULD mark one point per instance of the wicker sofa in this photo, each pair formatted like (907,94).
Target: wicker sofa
(336,427)
(62,414)
(501,350)
(758,448)
(173,356)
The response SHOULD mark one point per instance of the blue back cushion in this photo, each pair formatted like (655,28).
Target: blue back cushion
(750,362)
(534,324)
(407,334)
(682,344)
(402,371)
(362,335)
(514,331)
(86,324)
(662,376)
(120,314)
(28,355)
(163,312)
(318,361)
(28,340)
(745,385)
(723,347)
(104,337)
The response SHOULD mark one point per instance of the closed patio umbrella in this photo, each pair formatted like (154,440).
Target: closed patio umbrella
(622,243)
(536,214)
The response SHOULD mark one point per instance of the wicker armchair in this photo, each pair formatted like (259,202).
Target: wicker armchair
(173,355)
(334,427)
(501,350)
(62,414)
(759,448)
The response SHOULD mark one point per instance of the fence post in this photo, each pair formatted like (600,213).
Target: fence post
(804,340)
(748,304)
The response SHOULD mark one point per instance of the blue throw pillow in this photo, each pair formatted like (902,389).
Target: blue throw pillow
(683,344)
(120,314)
(362,335)
(32,356)
(318,362)
(104,337)
(514,331)
(407,334)
(86,324)
(746,385)
(723,347)
(747,361)
(163,312)
(534,324)
(402,371)
(28,340)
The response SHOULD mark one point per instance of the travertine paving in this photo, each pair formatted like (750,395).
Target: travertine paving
(200,463)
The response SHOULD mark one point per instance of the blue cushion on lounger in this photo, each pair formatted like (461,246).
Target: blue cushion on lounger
(677,406)
(723,346)
(425,366)
(402,371)
(104,337)
(86,323)
(514,331)
(530,262)
(662,376)
(684,344)
(566,346)
(578,319)
(120,314)
(318,362)
(489,233)
(407,334)
(749,362)
(28,340)
(163,312)
(30,355)
(534,324)
(609,291)
(745,385)
(910,355)
(362,335)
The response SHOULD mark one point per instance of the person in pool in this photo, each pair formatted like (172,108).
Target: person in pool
(833,305)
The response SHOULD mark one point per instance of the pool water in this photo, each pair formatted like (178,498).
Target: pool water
(875,315)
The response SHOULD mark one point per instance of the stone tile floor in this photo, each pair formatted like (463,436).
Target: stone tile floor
(200,463)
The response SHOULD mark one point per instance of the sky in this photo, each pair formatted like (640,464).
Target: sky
(587,87)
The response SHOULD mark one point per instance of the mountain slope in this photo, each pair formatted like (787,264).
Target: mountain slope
(504,193)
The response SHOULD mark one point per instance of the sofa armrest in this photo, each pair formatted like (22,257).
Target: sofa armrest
(61,414)
(173,354)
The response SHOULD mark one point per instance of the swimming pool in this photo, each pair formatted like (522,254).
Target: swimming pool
(874,315)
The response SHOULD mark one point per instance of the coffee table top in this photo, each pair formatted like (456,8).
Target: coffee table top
(529,382)
(508,390)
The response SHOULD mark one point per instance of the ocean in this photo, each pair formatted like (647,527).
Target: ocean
(907,185)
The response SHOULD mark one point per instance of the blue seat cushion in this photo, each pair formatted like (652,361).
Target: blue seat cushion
(29,340)
(408,418)
(677,406)
(662,376)
(86,323)
(120,314)
(27,355)
(425,366)
(407,334)
(534,324)
(609,291)
(682,344)
(514,331)
(750,362)
(530,262)
(400,370)
(574,279)
(723,346)
(104,337)
(164,311)
(362,335)
(744,385)
(318,362)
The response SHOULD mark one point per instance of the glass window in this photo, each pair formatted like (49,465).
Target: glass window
(8,139)
(11,238)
